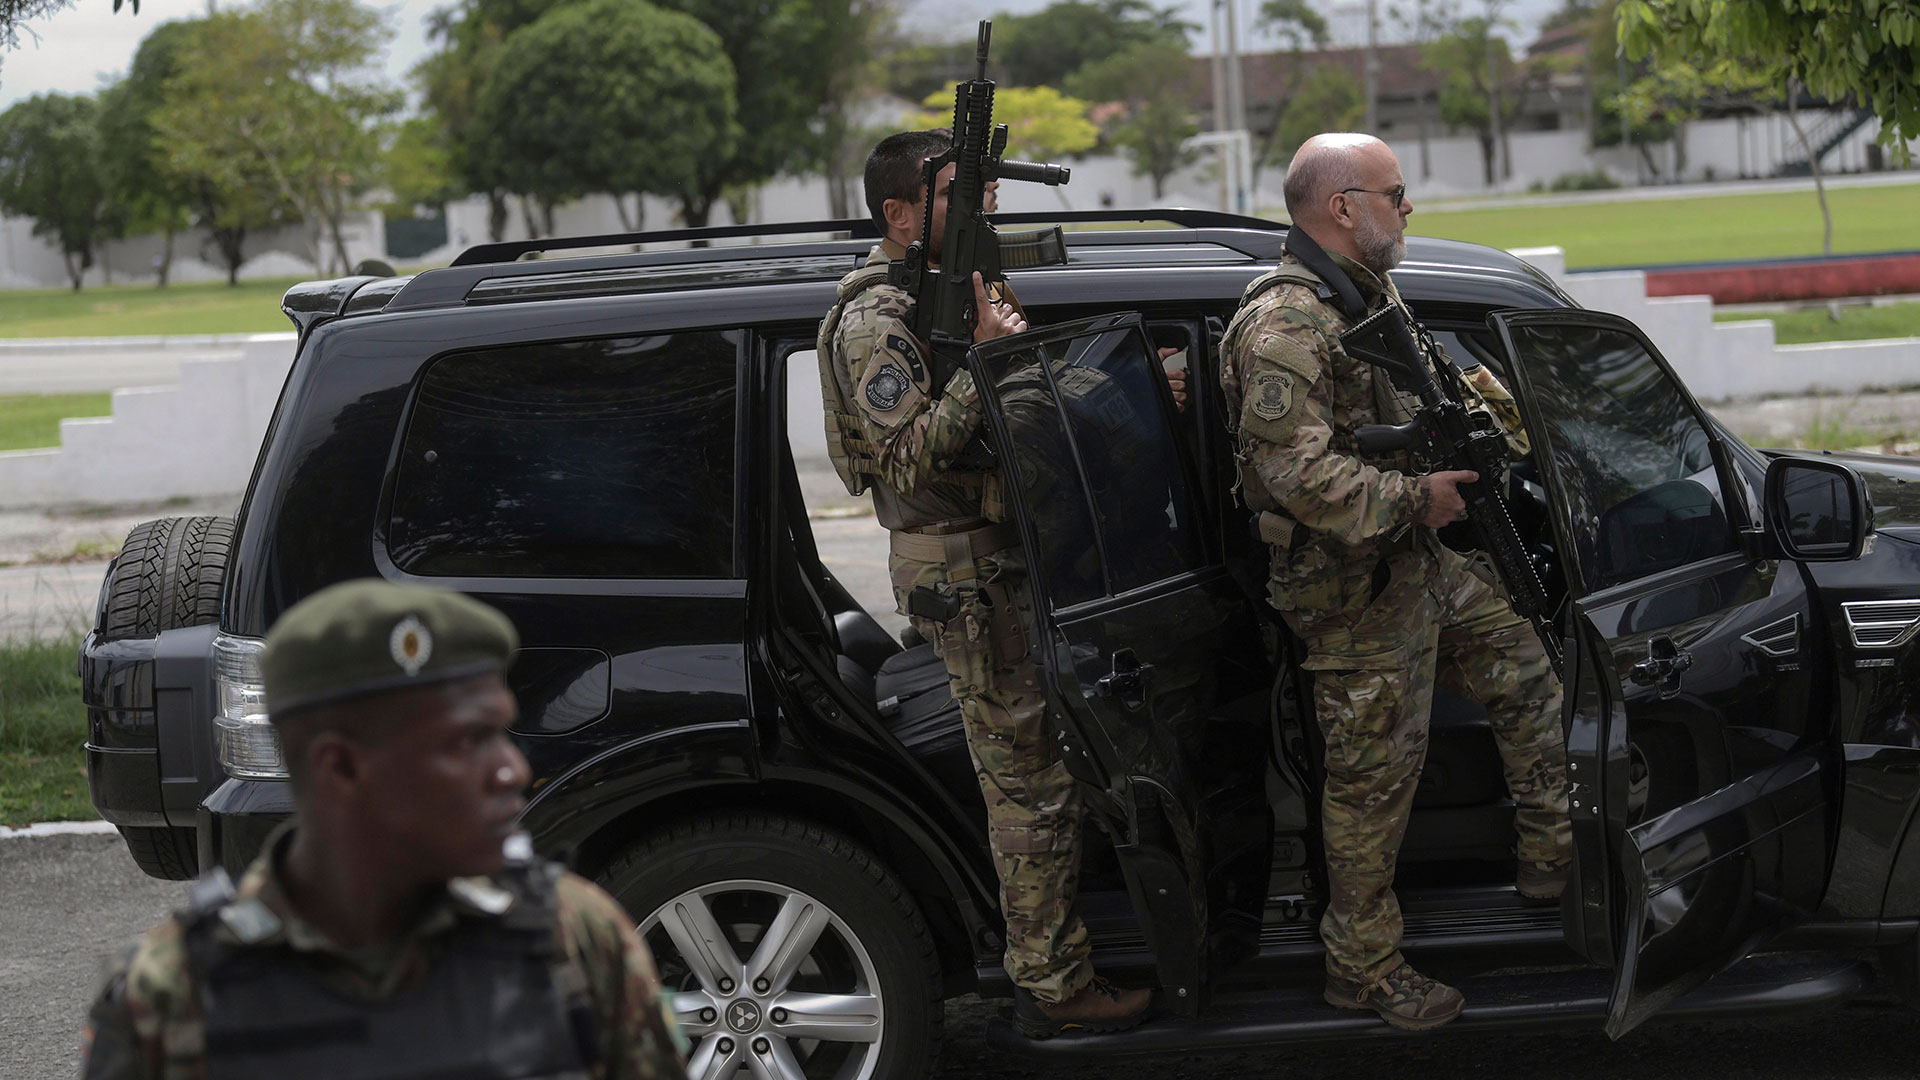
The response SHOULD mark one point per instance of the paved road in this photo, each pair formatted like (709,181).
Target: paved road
(67,901)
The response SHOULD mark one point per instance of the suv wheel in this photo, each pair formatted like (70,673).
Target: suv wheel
(168,575)
(791,951)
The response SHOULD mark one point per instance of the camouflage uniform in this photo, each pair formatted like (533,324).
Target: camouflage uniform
(147,1020)
(1383,608)
(885,429)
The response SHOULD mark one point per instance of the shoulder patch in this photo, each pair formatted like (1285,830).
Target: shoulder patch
(887,386)
(1272,396)
(909,351)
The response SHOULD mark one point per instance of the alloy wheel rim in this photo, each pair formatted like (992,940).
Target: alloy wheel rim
(773,984)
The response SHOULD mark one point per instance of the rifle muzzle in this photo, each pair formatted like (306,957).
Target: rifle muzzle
(1033,172)
(1032,248)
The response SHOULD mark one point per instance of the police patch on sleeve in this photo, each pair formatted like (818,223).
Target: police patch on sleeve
(1272,395)
(886,387)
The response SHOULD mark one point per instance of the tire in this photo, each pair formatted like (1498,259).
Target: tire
(169,574)
(869,952)
(163,851)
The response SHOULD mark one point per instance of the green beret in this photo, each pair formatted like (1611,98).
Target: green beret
(368,636)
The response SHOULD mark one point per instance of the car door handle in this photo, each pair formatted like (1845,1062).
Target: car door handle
(1128,681)
(1663,667)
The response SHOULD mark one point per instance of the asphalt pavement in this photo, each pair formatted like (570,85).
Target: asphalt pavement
(69,902)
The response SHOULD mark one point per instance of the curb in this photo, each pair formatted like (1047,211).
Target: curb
(56,828)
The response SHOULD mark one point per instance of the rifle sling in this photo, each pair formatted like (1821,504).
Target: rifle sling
(1346,294)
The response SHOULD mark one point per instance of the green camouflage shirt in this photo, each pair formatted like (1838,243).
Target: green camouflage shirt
(915,434)
(1294,398)
(145,1022)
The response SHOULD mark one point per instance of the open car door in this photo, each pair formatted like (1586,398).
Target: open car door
(1151,655)
(1700,766)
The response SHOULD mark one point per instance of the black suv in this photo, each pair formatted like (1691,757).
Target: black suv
(597,444)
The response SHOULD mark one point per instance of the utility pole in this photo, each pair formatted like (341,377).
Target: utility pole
(1493,98)
(1236,108)
(1373,66)
(1220,100)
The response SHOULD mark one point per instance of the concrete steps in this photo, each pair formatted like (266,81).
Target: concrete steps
(197,437)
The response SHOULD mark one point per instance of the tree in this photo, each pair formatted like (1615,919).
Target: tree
(612,96)
(1149,82)
(289,89)
(1330,99)
(858,30)
(1672,95)
(1478,71)
(419,166)
(1042,123)
(49,171)
(779,50)
(134,163)
(1043,48)
(449,80)
(1868,50)
(1300,28)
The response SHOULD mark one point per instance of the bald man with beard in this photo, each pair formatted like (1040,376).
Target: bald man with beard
(1384,609)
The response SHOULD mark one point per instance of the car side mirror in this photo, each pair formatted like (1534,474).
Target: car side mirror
(1817,511)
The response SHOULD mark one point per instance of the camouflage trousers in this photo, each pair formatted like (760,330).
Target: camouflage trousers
(1033,808)
(1376,662)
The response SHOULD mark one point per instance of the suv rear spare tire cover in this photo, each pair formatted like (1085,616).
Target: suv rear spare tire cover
(168,575)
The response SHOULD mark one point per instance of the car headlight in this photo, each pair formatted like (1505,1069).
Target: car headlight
(249,746)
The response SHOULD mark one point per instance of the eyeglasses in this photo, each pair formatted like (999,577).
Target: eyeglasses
(1397,193)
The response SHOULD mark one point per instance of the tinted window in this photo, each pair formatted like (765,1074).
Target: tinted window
(1633,459)
(1124,518)
(610,458)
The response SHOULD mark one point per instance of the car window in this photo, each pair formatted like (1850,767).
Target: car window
(1633,459)
(604,458)
(1098,464)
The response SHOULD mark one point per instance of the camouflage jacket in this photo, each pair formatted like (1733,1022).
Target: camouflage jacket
(1294,398)
(145,1021)
(886,377)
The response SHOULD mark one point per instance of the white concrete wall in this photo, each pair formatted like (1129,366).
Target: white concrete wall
(198,437)
(1727,360)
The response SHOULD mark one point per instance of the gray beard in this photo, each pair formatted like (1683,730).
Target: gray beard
(1379,251)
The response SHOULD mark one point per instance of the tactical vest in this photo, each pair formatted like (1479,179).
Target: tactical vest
(501,1001)
(1392,406)
(847,445)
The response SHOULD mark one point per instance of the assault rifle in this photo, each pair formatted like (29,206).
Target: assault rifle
(1449,436)
(943,314)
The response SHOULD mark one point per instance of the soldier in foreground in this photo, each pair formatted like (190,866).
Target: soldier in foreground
(386,931)
(889,430)
(1357,570)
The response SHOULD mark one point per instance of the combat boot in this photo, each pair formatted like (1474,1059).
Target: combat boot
(1099,1006)
(1403,997)
(1542,881)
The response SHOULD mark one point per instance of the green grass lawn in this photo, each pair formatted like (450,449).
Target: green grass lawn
(1702,229)
(1857,322)
(32,421)
(121,310)
(43,730)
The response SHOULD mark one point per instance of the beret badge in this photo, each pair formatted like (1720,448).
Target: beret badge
(410,644)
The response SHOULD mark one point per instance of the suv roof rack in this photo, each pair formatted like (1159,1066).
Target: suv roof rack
(855,228)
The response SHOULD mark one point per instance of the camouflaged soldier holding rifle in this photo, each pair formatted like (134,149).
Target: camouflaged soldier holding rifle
(386,931)
(890,429)
(1383,608)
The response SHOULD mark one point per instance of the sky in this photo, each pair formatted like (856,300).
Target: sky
(77,50)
